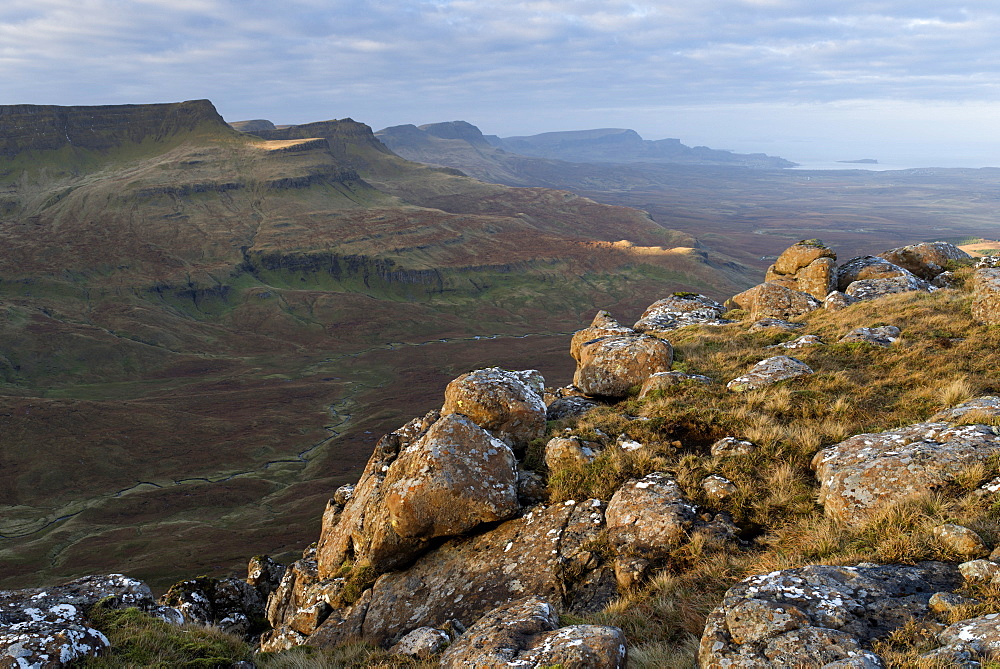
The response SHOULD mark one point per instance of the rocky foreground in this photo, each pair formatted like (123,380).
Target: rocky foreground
(453,546)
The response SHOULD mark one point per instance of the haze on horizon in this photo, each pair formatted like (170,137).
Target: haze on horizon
(911,83)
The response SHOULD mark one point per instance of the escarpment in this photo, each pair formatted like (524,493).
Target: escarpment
(36,128)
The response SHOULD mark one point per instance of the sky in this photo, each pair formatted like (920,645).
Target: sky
(908,82)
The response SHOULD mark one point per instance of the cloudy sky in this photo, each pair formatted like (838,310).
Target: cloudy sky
(910,82)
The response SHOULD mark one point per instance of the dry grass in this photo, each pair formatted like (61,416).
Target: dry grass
(942,358)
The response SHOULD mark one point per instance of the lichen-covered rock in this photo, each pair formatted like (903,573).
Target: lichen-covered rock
(603,325)
(718,488)
(986,296)
(544,553)
(422,643)
(228,603)
(363,531)
(569,407)
(927,260)
(455,477)
(979,570)
(569,451)
(816,615)
(631,570)
(610,366)
(865,268)
(946,280)
(979,408)
(768,372)
(649,516)
(801,255)
(987,262)
(509,404)
(679,310)
(265,575)
(979,635)
(47,627)
(663,380)
(805,341)
(961,540)
(836,301)
(946,602)
(808,266)
(728,446)
(525,634)
(871,289)
(774,323)
(884,335)
(772,300)
(868,471)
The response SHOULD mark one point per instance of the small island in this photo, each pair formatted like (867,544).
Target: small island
(863,161)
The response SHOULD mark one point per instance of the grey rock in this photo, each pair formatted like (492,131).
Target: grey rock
(768,372)
(680,310)
(884,336)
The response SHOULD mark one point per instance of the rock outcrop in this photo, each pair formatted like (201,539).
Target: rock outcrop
(808,266)
(48,627)
(986,296)
(508,404)
(926,260)
(772,300)
(609,366)
(883,335)
(869,471)
(818,615)
(525,633)
(679,310)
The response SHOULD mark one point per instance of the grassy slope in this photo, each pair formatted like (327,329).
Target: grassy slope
(176,339)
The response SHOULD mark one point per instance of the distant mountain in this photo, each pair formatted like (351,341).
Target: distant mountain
(616,145)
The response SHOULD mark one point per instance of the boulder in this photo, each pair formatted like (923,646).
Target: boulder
(871,289)
(544,553)
(774,323)
(808,266)
(986,296)
(768,372)
(230,604)
(869,471)
(946,280)
(422,643)
(47,627)
(805,341)
(561,452)
(679,310)
(927,260)
(865,268)
(649,516)
(265,575)
(664,380)
(455,477)
(603,325)
(569,407)
(508,404)
(981,408)
(979,570)
(525,633)
(363,531)
(771,300)
(883,336)
(978,636)
(836,301)
(610,366)
(961,540)
(816,615)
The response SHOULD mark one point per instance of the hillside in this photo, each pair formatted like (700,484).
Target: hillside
(805,476)
(202,328)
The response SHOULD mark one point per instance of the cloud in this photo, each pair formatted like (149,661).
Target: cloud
(399,61)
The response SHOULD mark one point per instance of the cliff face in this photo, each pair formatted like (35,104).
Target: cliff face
(101,128)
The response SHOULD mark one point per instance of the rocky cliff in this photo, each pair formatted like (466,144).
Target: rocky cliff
(101,128)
